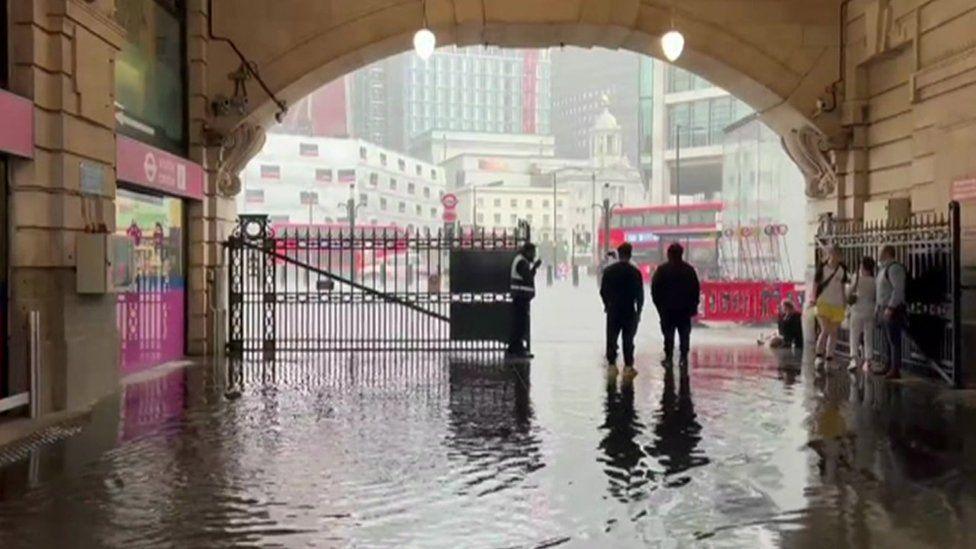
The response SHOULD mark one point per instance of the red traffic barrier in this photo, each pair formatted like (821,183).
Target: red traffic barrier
(746,301)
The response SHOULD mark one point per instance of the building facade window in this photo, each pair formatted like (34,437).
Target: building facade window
(393,184)
(150,73)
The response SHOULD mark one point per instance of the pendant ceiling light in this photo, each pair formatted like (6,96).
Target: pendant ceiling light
(424,40)
(673,43)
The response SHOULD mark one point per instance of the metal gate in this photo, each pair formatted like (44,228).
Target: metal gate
(929,247)
(299,289)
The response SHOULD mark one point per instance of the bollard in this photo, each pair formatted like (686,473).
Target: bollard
(549,275)
(575,275)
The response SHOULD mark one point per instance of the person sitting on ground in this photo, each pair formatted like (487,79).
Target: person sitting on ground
(789,328)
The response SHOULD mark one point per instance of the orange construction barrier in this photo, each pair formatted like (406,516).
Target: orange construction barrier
(746,301)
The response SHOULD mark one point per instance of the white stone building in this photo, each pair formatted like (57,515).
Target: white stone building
(299,179)
(555,195)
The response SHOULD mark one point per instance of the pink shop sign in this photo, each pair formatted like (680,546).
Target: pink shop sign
(159,170)
(16,125)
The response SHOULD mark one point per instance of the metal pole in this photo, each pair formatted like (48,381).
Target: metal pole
(593,239)
(474,207)
(677,175)
(957,366)
(555,248)
(606,227)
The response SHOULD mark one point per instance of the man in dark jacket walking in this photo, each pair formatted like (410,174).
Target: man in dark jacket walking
(676,293)
(622,291)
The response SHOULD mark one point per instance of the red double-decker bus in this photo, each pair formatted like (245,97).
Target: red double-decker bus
(650,230)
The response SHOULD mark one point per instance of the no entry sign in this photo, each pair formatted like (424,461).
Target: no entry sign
(450,201)
(449,216)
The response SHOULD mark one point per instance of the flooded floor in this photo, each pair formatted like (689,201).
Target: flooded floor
(744,449)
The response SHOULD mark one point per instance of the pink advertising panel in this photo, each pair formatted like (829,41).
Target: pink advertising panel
(156,169)
(17,126)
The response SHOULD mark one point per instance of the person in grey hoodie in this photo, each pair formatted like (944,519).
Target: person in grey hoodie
(891,308)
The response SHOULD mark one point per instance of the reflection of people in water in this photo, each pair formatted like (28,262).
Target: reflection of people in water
(677,432)
(624,458)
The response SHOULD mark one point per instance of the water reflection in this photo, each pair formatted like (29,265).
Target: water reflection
(377,451)
(677,431)
(490,425)
(623,458)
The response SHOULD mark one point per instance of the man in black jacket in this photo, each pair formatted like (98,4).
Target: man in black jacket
(622,291)
(676,293)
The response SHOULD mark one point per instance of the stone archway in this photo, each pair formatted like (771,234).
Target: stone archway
(777,56)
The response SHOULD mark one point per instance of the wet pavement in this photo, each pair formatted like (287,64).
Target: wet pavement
(744,449)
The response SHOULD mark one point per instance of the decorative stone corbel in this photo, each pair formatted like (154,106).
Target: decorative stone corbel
(235,150)
(807,147)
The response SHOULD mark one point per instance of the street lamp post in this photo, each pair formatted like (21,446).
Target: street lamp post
(607,210)
(351,208)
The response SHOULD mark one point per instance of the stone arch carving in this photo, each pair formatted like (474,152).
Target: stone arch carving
(809,151)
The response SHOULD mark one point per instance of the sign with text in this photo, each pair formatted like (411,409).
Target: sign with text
(964,189)
(16,125)
(92,178)
(149,167)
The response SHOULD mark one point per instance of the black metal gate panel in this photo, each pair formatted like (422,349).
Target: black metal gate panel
(929,247)
(300,289)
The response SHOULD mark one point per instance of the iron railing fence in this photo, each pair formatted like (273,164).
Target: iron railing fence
(312,289)
(929,247)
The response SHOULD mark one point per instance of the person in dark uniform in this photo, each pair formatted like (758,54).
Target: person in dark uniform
(622,291)
(676,293)
(522,287)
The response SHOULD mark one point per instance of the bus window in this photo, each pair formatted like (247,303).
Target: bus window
(633,221)
(655,220)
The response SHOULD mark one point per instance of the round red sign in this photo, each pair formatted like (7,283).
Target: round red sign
(449,201)
(449,216)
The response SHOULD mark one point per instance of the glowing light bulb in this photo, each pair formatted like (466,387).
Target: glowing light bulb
(424,43)
(673,43)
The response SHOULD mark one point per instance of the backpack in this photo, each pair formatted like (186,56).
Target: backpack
(911,287)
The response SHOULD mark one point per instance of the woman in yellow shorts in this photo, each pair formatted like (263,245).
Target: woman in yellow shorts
(831,301)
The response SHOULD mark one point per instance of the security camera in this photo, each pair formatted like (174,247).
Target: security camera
(280,116)
(220,105)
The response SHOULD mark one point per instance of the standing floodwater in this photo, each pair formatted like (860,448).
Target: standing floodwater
(743,449)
